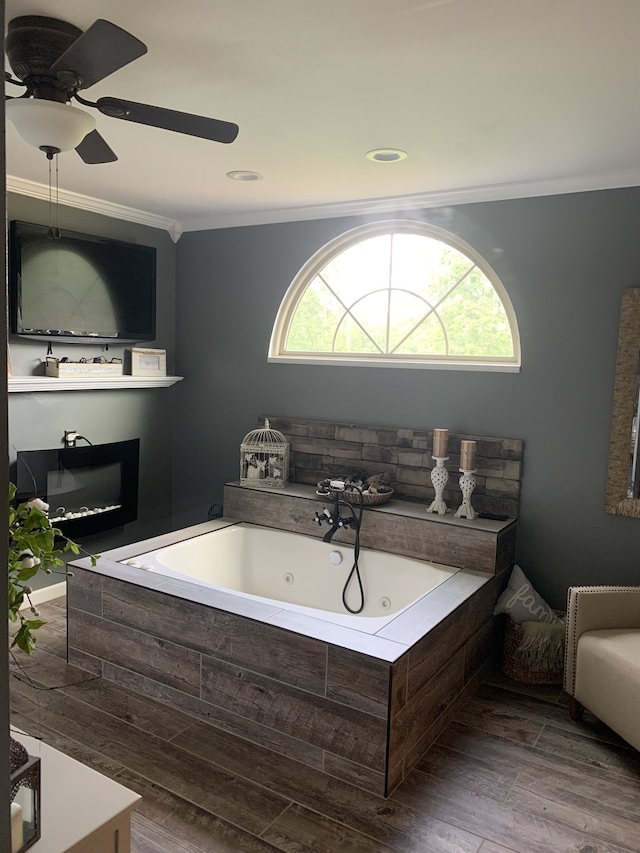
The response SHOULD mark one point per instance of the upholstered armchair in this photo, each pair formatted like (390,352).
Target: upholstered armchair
(602,656)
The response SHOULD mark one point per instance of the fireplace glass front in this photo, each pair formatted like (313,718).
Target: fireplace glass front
(89,489)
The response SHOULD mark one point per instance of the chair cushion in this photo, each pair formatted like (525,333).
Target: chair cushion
(608,679)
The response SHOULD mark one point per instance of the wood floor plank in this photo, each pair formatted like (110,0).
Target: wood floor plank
(605,794)
(55,645)
(299,830)
(137,710)
(549,692)
(510,774)
(500,720)
(388,822)
(47,670)
(249,806)
(84,754)
(596,823)
(148,837)
(572,746)
(26,700)
(541,710)
(140,844)
(502,823)
(502,753)
(59,603)
(175,818)
(456,770)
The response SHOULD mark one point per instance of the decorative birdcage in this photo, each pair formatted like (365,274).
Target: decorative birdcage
(264,458)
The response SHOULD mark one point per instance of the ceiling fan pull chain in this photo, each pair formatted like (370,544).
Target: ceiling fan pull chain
(54,233)
(57,233)
(49,159)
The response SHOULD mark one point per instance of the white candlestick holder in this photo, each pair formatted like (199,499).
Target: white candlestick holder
(439,479)
(467,484)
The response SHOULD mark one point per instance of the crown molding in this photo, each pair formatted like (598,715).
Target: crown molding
(437,198)
(362,207)
(33,189)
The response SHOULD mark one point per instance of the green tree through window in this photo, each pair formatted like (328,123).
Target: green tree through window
(398,293)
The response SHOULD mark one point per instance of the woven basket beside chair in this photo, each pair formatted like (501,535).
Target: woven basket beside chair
(515,664)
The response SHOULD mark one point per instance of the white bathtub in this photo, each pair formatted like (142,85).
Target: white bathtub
(299,573)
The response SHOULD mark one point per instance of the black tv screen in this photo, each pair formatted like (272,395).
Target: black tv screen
(80,288)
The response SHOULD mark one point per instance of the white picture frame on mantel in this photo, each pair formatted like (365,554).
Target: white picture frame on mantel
(148,362)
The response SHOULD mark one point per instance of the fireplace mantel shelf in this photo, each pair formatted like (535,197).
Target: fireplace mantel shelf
(28,384)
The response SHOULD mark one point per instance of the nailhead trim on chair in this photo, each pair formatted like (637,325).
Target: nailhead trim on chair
(578,591)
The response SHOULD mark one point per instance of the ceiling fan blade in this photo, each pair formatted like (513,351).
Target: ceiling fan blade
(98,52)
(93,149)
(192,125)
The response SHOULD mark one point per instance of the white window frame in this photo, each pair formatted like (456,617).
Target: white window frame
(295,291)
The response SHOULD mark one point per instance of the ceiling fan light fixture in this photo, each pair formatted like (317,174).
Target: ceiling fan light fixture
(49,124)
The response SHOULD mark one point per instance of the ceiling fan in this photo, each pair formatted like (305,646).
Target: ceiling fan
(55,60)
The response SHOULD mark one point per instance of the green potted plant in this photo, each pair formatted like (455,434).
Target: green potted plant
(35,545)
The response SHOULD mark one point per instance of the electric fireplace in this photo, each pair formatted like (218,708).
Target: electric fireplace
(89,488)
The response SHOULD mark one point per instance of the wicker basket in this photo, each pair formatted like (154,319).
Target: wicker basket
(513,668)
(353,496)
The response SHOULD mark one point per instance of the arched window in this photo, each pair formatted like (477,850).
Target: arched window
(397,294)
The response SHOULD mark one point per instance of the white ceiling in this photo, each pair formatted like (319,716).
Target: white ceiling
(490,98)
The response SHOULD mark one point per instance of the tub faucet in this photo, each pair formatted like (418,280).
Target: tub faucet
(335,520)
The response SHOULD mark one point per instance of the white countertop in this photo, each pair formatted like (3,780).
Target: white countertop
(76,801)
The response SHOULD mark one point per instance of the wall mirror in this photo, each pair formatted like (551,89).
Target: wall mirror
(623,480)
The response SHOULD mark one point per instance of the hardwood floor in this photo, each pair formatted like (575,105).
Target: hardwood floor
(511,772)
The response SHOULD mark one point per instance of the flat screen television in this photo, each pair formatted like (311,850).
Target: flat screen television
(80,288)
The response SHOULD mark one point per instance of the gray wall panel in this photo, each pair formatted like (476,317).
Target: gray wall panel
(38,420)
(564,261)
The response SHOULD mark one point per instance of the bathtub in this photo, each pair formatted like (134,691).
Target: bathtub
(242,627)
(298,573)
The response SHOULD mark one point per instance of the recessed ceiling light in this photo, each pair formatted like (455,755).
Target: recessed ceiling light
(242,175)
(386,155)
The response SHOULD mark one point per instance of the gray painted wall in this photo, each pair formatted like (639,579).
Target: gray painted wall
(38,421)
(564,261)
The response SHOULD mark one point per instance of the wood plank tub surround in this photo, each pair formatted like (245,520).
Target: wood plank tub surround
(398,527)
(359,707)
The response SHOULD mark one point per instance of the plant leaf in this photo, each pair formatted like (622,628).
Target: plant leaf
(24,640)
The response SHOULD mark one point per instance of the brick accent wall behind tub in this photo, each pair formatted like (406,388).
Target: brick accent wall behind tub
(321,449)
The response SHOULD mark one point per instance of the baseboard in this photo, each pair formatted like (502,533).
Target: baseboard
(47,593)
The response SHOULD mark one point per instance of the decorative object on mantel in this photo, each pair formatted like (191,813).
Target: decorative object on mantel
(372,490)
(25,797)
(439,474)
(467,481)
(62,368)
(148,362)
(264,458)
